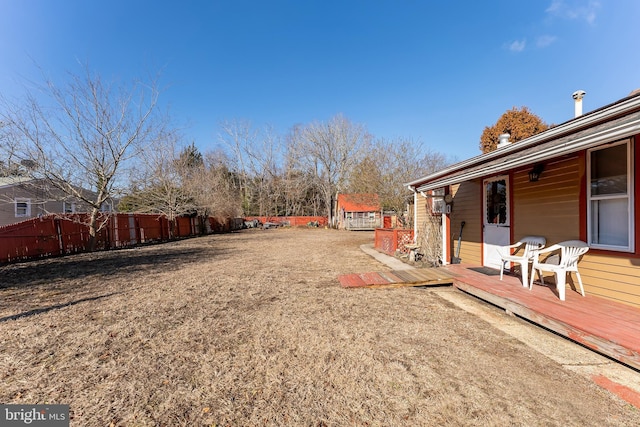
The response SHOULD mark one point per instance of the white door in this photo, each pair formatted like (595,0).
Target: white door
(496,227)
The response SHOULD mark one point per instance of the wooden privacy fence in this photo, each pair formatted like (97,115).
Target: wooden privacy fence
(292,221)
(390,240)
(54,235)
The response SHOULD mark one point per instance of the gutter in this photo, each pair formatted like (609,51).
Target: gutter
(569,146)
(624,106)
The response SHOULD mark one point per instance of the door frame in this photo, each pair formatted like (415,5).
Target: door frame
(498,232)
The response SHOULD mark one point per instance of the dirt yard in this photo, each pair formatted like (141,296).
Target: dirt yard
(252,328)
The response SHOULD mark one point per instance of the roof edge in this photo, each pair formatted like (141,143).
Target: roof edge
(621,106)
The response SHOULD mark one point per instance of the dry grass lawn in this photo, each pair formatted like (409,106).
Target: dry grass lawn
(252,328)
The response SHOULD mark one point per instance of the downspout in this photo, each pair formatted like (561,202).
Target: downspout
(446,224)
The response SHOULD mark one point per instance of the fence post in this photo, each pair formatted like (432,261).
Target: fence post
(56,224)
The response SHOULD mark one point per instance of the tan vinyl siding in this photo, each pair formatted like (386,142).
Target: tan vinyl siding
(616,278)
(466,207)
(549,207)
(421,211)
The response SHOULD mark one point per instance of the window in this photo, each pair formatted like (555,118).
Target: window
(437,201)
(68,207)
(496,202)
(610,201)
(23,208)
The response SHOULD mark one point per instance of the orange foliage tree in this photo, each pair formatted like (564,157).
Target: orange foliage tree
(519,123)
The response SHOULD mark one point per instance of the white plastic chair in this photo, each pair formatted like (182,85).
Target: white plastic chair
(530,243)
(570,253)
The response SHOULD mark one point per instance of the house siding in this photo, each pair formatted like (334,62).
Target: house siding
(611,277)
(7,204)
(421,212)
(556,195)
(42,203)
(555,206)
(467,205)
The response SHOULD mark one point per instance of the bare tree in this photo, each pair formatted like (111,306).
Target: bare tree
(220,187)
(389,164)
(161,183)
(329,151)
(257,155)
(174,182)
(82,136)
(239,136)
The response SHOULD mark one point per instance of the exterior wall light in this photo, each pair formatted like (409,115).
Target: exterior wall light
(534,174)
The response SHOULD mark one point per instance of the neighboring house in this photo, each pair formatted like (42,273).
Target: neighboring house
(22,198)
(358,211)
(577,180)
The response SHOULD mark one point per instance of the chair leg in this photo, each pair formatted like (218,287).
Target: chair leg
(580,283)
(524,266)
(561,284)
(501,269)
(533,275)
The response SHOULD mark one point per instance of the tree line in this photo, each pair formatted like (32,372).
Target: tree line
(113,139)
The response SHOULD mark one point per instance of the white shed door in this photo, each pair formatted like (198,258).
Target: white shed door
(496,227)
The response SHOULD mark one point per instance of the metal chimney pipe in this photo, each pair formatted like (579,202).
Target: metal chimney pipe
(503,140)
(577,96)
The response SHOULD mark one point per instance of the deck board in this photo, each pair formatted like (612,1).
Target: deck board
(396,279)
(373,279)
(605,326)
(351,281)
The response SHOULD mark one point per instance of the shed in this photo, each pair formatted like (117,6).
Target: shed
(357,211)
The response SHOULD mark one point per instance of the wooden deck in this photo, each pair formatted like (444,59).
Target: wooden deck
(607,327)
(398,278)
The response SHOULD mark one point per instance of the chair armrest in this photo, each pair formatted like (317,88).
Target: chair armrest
(545,250)
(515,245)
(535,253)
(506,250)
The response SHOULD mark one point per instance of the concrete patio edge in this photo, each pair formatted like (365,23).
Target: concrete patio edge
(390,261)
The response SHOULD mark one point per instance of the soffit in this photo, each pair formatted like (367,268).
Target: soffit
(611,131)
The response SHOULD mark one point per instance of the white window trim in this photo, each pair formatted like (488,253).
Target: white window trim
(28,211)
(72,205)
(437,201)
(629,196)
(505,178)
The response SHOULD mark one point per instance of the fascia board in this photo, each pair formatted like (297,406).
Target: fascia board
(586,120)
(603,137)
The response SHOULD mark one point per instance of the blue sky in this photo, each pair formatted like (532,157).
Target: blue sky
(437,72)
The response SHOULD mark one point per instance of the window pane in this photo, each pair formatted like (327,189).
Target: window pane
(609,170)
(496,202)
(609,222)
(22,208)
